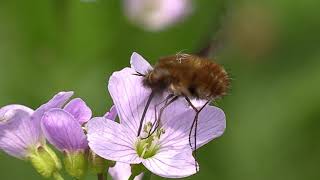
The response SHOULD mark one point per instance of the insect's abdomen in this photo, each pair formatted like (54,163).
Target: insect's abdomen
(210,81)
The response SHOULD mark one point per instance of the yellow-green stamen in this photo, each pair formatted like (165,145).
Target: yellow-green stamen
(148,147)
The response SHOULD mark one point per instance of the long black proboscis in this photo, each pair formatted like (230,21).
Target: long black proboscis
(145,111)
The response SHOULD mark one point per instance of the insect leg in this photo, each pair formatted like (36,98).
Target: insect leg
(144,112)
(152,130)
(195,125)
(139,74)
(155,110)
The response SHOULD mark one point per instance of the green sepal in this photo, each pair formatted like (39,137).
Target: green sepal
(45,161)
(76,164)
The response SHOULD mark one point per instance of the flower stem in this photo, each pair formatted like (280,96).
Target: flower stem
(131,177)
(100,176)
(146,175)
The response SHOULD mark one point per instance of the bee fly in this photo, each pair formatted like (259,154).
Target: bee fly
(187,76)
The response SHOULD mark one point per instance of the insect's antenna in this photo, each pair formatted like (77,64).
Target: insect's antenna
(195,125)
(145,111)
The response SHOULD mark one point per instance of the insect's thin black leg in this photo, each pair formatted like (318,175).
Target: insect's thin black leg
(195,125)
(139,74)
(144,112)
(161,111)
(157,122)
(165,101)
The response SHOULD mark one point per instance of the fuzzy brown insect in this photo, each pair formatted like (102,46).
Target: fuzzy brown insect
(187,76)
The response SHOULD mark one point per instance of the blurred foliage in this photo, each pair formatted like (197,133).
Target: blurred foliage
(271,49)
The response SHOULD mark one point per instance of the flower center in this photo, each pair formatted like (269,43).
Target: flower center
(148,147)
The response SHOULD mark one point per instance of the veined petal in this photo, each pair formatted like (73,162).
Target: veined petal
(56,102)
(171,164)
(178,122)
(211,124)
(6,112)
(130,98)
(112,114)
(139,64)
(79,109)
(122,171)
(111,141)
(63,131)
(19,134)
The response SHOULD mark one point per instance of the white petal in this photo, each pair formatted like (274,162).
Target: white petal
(111,141)
(139,64)
(172,164)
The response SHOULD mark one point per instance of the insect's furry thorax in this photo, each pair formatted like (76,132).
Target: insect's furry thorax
(188,75)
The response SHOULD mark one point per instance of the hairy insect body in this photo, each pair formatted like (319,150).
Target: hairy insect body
(188,75)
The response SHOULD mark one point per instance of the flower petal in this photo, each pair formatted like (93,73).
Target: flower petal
(171,164)
(111,141)
(6,112)
(130,97)
(63,131)
(139,64)
(178,121)
(112,114)
(79,109)
(122,171)
(56,102)
(19,134)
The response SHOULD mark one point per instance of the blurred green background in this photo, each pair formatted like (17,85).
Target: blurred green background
(271,49)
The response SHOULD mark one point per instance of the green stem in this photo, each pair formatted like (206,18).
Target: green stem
(100,176)
(146,175)
(131,177)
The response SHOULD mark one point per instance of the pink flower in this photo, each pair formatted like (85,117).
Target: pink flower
(166,152)
(156,14)
(20,131)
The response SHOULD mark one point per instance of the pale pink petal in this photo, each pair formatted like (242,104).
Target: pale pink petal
(172,164)
(130,98)
(139,64)
(63,131)
(6,112)
(111,141)
(56,102)
(112,114)
(122,171)
(177,124)
(19,134)
(79,109)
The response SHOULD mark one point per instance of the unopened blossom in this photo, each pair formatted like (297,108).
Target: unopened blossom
(22,137)
(156,14)
(166,152)
(63,129)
